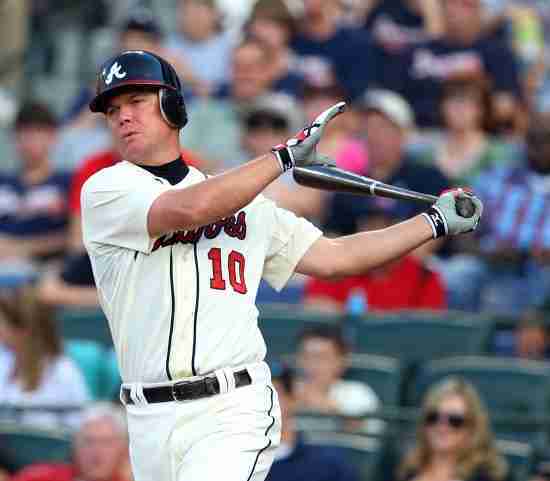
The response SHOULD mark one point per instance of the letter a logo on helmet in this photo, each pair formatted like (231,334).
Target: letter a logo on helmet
(138,69)
(115,71)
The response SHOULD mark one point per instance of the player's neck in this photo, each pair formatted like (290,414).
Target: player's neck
(160,156)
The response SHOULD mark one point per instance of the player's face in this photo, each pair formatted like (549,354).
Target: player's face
(99,450)
(139,130)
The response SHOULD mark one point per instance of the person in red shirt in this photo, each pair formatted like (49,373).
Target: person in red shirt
(407,283)
(100,451)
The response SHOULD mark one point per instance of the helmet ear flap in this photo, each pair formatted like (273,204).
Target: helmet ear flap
(172,108)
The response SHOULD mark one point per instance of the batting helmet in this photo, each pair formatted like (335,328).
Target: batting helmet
(141,68)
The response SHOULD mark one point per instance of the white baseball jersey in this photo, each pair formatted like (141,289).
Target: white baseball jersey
(183,304)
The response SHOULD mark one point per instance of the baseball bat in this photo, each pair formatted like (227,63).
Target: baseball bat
(326,177)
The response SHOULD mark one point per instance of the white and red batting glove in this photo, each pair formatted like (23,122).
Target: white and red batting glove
(301,149)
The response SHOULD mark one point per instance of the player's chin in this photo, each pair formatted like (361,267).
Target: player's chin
(132,151)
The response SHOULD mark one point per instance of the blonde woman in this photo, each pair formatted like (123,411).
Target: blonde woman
(454,441)
(34,372)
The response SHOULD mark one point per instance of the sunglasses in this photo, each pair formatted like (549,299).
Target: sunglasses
(456,421)
(258,121)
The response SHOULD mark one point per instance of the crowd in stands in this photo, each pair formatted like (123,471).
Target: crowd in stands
(440,93)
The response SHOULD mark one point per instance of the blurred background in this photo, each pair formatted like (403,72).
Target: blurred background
(434,367)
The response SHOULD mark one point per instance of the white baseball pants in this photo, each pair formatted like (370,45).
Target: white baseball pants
(231,436)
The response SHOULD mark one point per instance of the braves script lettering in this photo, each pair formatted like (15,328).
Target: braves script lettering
(234,226)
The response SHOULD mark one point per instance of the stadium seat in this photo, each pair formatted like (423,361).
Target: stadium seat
(84,324)
(519,456)
(90,358)
(508,386)
(383,374)
(280,325)
(414,336)
(365,452)
(21,446)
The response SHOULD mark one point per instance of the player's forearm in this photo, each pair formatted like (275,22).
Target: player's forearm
(360,252)
(217,197)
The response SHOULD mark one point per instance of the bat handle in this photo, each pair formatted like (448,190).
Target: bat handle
(465,207)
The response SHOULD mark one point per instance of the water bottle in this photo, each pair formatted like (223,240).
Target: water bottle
(356,307)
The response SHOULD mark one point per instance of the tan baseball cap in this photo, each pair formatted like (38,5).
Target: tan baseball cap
(390,104)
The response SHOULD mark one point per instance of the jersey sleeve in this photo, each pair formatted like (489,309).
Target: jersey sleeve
(115,206)
(291,237)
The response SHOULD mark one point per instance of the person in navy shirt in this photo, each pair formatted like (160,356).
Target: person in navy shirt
(329,51)
(295,460)
(465,49)
(33,201)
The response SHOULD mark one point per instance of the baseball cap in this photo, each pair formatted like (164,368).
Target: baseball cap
(390,104)
(282,108)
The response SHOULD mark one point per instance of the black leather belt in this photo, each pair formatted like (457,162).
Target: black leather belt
(186,390)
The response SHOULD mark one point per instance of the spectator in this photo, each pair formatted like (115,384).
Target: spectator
(272,22)
(521,22)
(14,27)
(33,202)
(295,460)
(465,147)
(529,339)
(400,24)
(100,451)
(337,143)
(454,439)
(216,131)
(323,356)
(386,119)
(201,42)
(404,284)
(465,49)
(84,133)
(36,373)
(333,53)
(508,271)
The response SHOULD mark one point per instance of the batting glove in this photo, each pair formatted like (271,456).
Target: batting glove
(444,219)
(301,149)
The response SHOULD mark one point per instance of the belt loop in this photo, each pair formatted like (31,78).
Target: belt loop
(136,393)
(222,380)
(230,375)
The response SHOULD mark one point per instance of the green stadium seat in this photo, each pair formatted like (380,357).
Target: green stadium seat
(84,324)
(21,446)
(414,336)
(519,456)
(281,323)
(507,386)
(365,452)
(383,374)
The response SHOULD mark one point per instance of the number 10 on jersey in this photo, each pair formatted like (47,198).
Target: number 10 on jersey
(235,268)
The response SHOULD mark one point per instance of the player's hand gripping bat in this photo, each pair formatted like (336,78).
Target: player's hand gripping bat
(327,177)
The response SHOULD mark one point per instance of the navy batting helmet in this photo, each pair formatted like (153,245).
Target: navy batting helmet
(141,68)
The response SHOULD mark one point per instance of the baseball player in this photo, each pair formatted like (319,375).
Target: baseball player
(177,259)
